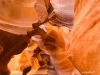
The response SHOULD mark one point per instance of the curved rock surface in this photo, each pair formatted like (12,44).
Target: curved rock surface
(85,37)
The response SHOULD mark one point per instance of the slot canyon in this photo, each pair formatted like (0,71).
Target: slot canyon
(49,37)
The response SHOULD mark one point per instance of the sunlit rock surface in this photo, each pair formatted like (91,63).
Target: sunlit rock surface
(85,37)
(55,45)
(23,60)
(80,45)
(17,16)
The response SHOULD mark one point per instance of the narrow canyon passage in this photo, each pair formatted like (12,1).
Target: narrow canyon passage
(49,37)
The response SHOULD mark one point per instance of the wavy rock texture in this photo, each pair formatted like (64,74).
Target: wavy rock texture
(31,57)
(85,37)
(55,46)
(23,60)
(17,16)
(11,44)
(63,9)
(82,47)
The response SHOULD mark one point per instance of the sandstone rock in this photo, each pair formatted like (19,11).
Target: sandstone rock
(11,44)
(17,16)
(85,37)
(23,60)
(54,44)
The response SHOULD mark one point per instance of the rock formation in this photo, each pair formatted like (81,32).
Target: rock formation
(69,47)
(54,44)
(16,18)
(23,60)
(85,37)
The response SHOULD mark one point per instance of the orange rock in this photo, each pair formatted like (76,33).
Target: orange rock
(23,60)
(55,45)
(17,16)
(85,37)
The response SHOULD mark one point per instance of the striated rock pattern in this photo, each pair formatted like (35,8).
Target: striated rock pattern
(85,37)
(16,18)
(20,61)
(30,61)
(53,40)
(54,44)
(10,44)
(63,9)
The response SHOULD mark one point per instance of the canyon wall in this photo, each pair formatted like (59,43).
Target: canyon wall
(85,37)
